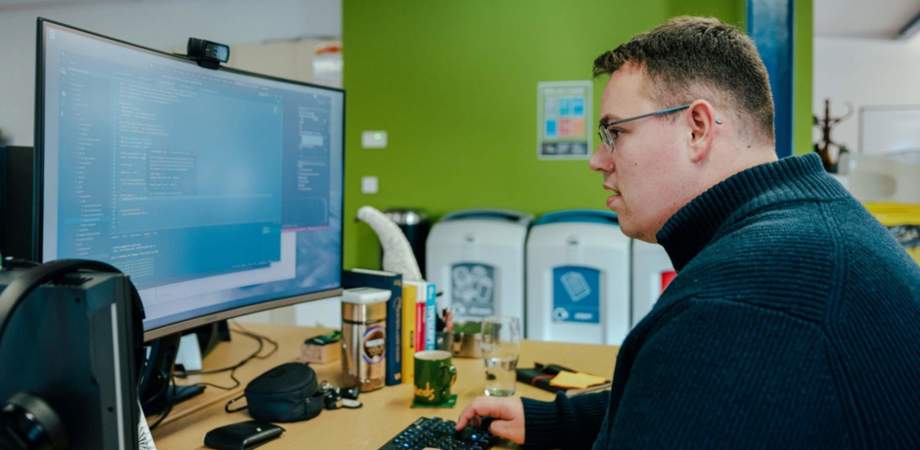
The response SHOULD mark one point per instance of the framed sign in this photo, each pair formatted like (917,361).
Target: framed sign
(564,119)
(889,129)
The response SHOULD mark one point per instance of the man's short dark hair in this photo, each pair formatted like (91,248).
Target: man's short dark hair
(700,57)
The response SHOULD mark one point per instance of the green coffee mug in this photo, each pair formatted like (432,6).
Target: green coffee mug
(434,375)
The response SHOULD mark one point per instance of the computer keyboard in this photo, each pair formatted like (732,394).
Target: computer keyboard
(435,432)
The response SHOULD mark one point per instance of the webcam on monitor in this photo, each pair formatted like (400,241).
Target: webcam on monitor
(208,54)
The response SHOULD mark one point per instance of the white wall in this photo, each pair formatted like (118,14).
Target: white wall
(161,25)
(864,72)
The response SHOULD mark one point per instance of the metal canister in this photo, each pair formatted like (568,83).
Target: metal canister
(364,314)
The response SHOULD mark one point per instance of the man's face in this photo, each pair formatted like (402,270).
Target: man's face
(648,166)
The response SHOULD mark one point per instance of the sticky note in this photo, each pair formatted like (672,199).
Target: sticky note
(575,380)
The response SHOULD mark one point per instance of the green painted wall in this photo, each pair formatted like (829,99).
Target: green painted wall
(731,11)
(803,16)
(454,85)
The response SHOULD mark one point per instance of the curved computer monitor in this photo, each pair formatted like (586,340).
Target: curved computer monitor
(218,191)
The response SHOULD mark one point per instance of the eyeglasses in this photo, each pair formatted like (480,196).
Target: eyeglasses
(609,135)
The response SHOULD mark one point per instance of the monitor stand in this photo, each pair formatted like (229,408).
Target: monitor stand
(210,335)
(180,394)
(156,392)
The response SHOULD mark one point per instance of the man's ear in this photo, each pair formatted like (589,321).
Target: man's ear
(702,122)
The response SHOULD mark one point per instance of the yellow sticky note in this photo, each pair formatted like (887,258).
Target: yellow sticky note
(575,380)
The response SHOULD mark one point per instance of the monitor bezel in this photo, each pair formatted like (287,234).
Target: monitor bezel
(39,178)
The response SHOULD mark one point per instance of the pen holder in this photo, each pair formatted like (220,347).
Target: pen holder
(467,339)
(467,345)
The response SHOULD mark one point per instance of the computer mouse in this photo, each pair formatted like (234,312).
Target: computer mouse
(242,435)
(477,435)
(484,423)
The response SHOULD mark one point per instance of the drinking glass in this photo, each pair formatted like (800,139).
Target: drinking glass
(501,347)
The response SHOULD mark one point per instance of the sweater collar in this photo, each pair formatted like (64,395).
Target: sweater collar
(693,226)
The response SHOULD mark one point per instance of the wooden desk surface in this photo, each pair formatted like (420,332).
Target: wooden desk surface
(385,412)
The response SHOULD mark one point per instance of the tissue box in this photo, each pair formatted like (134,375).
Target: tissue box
(322,349)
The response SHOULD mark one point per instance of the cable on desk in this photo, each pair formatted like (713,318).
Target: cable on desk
(236,384)
(260,339)
(170,385)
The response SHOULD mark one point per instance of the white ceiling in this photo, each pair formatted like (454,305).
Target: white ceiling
(26,5)
(876,19)
(30,4)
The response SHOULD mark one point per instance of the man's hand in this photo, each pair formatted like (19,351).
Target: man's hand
(507,414)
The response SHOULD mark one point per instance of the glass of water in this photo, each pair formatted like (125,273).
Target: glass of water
(501,347)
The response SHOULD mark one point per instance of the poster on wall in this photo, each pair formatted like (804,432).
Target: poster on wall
(564,119)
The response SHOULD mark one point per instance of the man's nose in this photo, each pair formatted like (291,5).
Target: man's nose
(601,160)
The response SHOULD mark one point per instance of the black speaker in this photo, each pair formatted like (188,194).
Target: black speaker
(17,203)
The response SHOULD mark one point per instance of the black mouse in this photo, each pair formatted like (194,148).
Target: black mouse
(477,435)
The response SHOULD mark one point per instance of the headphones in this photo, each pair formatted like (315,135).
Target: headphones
(27,422)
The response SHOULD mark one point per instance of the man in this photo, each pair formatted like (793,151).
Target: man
(794,321)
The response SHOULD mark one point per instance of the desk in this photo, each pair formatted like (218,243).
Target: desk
(386,411)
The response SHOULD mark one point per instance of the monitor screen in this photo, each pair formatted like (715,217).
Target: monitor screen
(218,191)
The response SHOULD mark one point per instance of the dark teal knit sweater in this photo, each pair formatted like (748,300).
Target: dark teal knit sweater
(794,323)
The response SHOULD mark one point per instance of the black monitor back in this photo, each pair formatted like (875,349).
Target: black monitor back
(70,343)
(17,202)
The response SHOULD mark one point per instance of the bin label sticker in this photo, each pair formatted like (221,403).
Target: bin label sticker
(564,129)
(666,278)
(576,294)
(472,289)
(658,282)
